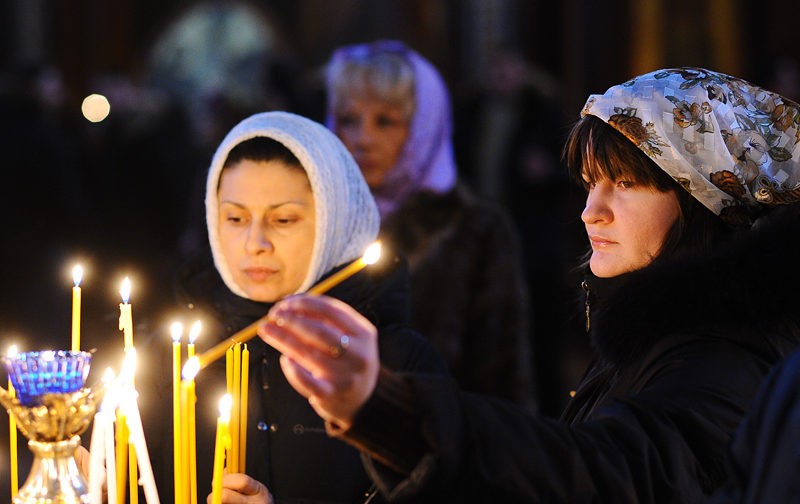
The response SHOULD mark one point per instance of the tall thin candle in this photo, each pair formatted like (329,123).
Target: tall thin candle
(220,446)
(12,435)
(194,333)
(125,317)
(77,276)
(102,429)
(233,461)
(176,331)
(243,409)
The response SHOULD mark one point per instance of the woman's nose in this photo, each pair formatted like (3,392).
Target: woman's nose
(597,207)
(257,239)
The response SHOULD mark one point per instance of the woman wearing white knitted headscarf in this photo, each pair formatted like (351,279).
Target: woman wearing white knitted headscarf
(346,217)
(286,206)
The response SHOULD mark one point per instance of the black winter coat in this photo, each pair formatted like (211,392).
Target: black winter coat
(681,350)
(764,453)
(287,446)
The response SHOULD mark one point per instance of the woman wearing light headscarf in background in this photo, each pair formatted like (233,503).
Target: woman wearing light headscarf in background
(286,206)
(391,109)
(693,183)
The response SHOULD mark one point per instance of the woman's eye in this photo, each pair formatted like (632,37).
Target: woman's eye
(387,121)
(284,221)
(346,120)
(626,184)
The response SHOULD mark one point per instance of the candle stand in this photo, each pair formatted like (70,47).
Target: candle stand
(52,409)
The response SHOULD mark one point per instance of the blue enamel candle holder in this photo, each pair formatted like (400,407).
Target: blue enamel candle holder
(35,374)
(52,408)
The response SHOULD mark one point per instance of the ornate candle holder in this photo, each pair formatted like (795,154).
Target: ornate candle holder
(52,409)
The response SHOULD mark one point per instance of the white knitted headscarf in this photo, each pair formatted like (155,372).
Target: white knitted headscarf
(347,218)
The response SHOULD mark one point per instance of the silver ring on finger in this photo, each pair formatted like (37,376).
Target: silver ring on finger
(340,348)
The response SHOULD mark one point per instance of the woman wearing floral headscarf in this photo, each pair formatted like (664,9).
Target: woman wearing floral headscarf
(391,109)
(687,305)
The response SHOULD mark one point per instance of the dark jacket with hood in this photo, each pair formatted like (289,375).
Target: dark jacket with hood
(681,350)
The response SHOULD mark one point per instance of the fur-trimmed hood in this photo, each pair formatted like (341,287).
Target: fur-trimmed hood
(745,291)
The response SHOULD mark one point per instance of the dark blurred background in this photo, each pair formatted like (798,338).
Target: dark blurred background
(123,196)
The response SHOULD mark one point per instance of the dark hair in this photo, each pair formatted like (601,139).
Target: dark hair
(595,150)
(261,149)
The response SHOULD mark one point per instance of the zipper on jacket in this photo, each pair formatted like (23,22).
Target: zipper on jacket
(585,287)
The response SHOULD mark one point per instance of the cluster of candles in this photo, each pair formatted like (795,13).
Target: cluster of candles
(118,444)
(118,448)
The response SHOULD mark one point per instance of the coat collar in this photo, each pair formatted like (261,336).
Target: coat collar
(746,289)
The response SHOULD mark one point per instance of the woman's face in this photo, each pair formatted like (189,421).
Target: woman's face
(627,225)
(266,227)
(374,131)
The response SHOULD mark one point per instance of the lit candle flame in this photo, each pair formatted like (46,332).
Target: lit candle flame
(77,274)
(225,407)
(373,253)
(194,332)
(191,368)
(176,330)
(108,375)
(125,291)
(12,351)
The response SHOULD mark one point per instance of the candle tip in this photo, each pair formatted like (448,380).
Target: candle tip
(191,368)
(373,253)
(194,332)
(12,351)
(125,291)
(225,407)
(77,274)
(176,330)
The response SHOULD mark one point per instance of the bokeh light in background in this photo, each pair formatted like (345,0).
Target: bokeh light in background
(95,108)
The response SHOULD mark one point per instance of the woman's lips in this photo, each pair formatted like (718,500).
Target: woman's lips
(259,274)
(600,241)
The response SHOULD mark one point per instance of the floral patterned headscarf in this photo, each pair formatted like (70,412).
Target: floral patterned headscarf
(734,146)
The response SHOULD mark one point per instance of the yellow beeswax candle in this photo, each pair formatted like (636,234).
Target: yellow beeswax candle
(77,275)
(12,435)
(220,447)
(233,461)
(176,331)
(243,409)
(193,366)
(194,332)
(125,317)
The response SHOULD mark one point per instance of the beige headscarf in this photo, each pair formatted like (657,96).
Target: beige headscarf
(734,146)
(347,220)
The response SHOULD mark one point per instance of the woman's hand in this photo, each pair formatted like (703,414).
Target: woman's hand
(82,459)
(238,488)
(330,353)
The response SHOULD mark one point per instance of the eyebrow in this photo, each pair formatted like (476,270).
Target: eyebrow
(276,205)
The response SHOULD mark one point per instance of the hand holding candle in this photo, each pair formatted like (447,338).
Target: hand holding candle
(193,366)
